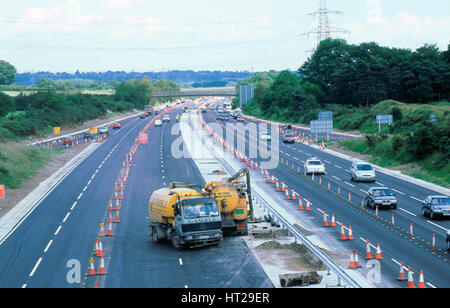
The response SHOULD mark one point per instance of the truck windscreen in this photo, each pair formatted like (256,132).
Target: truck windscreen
(200,210)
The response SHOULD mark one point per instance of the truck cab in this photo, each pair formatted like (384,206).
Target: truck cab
(184,217)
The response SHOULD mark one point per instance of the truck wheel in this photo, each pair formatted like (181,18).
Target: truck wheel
(155,235)
(176,242)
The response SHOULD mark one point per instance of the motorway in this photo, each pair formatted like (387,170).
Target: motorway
(397,242)
(53,246)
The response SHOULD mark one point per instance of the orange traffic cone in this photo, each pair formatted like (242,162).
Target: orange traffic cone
(325,220)
(352,261)
(117,217)
(109,233)
(96,248)
(333,221)
(421,281)
(117,205)
(350,234)
(401,275)
(411,284)
(102,230)
(110,207)
(378,255)
(92,268)
(300,204)
(287,195)
(308,208)
(278,186)
(368,251)
(343,236)
(110,219)
(293,195)
(100,250)
(101,270)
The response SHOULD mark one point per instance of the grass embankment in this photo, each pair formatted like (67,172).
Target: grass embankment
(20,163)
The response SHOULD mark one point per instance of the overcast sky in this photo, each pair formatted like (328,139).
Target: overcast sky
(152,35)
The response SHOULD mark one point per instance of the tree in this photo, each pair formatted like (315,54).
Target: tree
(6,104)
(7,73)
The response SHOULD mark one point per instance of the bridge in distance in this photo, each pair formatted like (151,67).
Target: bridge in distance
(223,91)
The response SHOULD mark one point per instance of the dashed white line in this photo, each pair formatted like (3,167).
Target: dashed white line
(349,184)
(415,198)
(48,246)
(35,267)
(181,262)
(337,178)
(434,224)
(67,216)
(79,197)
(380,183)
(408,212)
(57,231)
(398,191)
(74,205)
(338,167)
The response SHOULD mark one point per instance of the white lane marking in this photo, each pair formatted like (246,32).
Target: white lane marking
(434,224)
(24,286)
(74,205)
(380,183)
(415,198)
(327,162)
(65,218)
(408,212)
(432,286)
(181,262)
(48,245)
(89,183)
(398,191)
(84,189)
(338,167)
(35,267)
(79,197)
(363,191)
(337,178)
(57,231)
(308,154)
(349,184)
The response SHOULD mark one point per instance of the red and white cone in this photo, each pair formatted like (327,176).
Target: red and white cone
(421,281)
(369,255)
(402,275)
(378,255)
(352,261)
(325,220)
(411,284)
(343,236)
(350,234)
(101,270)
(333,221)
(92,268)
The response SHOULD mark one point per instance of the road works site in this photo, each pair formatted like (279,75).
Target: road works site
(88,225)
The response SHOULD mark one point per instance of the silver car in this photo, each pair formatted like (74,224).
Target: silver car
(435,206)
(362,172)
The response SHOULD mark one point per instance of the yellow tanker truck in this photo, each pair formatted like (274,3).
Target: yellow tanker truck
(233,196)
(185,217)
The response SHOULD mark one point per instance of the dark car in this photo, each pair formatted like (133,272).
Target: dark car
(382,197)
(435,206)
(288,138)
(67,141)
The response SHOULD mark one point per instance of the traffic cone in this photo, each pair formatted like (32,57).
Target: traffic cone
(350,234)
(325,220)
(116,197)
(308,208)
(117,205)
(300,204)
(411,284)
(421,281)
(102,230)
(278,186)
(100,249)
(110,207)
(293,195)
(109,233)
(352,261)
(378,255)
(92,268)
(117,217)
(273,178)
(343,236)
(101,270)
(401,275)
(110,219)
(115,187)
(333,221)
(368,251)
(283,187)
(96,248)
(121,196)
(287,195)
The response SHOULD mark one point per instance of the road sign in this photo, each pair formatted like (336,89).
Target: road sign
(321,127)
(56,131)
(2,192)
(143,138)
(93,130)
(384,119)
(326,116)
